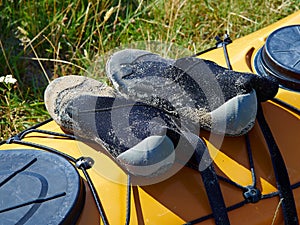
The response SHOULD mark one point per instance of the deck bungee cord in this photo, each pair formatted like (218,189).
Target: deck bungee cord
(280,170)
(250,193)
(286,105)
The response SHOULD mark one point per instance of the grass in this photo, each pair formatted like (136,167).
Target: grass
(42,40)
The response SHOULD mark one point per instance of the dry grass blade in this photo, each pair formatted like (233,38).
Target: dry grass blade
(41,65)
(276,211)
(59,61)
(5,57)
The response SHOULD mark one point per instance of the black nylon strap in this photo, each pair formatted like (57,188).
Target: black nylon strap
(281,174)
(210,180)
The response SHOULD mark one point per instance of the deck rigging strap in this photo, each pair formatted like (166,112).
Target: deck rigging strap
(280,170)
(213,190)
(210,179)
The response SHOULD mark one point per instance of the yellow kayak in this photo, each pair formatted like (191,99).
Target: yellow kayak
(57,186)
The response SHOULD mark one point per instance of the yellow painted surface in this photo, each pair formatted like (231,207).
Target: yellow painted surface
(182,197)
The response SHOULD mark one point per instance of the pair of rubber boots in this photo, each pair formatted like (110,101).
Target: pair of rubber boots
(156,107)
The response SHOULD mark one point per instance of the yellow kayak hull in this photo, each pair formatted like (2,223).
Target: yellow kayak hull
(182,197)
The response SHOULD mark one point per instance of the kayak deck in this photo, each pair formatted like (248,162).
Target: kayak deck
(240,162)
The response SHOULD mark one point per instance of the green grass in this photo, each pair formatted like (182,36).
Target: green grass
(44,39)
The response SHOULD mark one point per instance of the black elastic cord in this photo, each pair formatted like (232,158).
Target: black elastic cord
(46,148)
(204,51)
(231,182)
(270,195)
(286,105)
(230,208)
(40,124)
(96,197)
(251,163)
(28,129)
(296,185)
(223,44)
(24,133)
(220,43)
(210,216)
(281,174)
(226,57)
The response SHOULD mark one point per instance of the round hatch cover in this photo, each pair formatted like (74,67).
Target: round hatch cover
(280,56)
(38,187)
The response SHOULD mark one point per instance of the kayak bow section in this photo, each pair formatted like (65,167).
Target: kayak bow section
(156,203)
(32,180)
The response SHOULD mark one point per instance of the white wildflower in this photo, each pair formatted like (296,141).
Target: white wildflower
(8,79)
